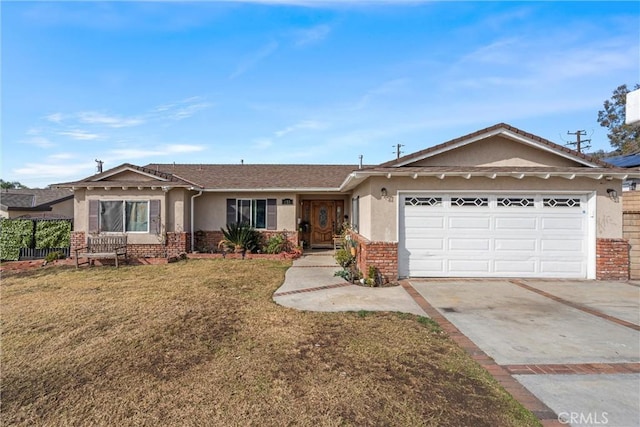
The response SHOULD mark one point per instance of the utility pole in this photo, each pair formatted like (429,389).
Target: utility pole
(398,152)
(579,142)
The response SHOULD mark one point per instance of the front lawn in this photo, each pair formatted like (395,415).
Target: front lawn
(201,342)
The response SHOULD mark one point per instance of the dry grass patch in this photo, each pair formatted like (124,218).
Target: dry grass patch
(202,343)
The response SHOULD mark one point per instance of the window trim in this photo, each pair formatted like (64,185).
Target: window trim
(253,211)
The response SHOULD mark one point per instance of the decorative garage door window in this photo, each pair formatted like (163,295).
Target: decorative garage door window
(423,201)
(515,202)
(470,201)
(554,202)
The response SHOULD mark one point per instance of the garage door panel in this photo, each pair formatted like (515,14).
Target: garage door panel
(562,245)
(468,223)
(566,223)
(469,244)
(418,245)
(511,245)
(516,223)
(516,266)
(544,237)
(424,222)
(480,267)
(562,266)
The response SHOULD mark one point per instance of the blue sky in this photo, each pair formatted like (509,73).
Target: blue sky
(295,81)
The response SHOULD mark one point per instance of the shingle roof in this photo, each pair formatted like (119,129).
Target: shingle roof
(32,198)
(259,176)
(163,178)
(453,142)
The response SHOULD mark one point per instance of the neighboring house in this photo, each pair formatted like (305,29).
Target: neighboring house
(499,202)
(36,203)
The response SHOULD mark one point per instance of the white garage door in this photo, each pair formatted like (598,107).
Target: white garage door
(461,235)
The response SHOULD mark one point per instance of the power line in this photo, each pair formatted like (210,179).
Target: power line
(580,144)
(398,152)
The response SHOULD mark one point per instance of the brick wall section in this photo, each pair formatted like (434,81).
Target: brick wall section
(78,240)
(382,255)
(631,229)
(176,244)
(612,259)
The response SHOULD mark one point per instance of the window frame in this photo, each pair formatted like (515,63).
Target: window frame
(252,204)
(125,221)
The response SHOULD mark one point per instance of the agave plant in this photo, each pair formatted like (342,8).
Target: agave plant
(240,237)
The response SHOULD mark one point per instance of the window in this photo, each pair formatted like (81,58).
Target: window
(118,216)
(423,201)
(259,213)
(355,213)
(470,201)
(252,211)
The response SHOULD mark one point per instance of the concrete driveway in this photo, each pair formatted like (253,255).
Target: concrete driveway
(575,345)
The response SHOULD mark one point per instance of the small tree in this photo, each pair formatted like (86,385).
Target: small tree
(624,138)
(7,185)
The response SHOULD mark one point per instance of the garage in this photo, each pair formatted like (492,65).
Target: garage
(493,235)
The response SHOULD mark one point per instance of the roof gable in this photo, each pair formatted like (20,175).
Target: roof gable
(500,145)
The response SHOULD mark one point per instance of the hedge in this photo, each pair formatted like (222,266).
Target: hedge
(19,233)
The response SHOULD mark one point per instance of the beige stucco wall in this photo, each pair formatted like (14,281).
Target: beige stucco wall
(211,209)
(496,151)
(83,196)
(383,211)
(131,176)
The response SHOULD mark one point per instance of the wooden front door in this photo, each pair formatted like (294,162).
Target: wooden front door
(323,222)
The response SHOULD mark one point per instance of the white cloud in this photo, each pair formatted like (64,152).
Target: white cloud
(306,124)
(92,117)
(312,35)
(44,171)
(79,134)
(55,117)
(39,141)
(182,148)
(188,111)
(251,60)
(387,88)
(62,156)
(165,150)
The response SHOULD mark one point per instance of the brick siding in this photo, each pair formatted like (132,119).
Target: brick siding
(382,255)
(612,259)
(631,229)
(176,244)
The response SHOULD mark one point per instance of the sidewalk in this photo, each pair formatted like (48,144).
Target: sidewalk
(310,285)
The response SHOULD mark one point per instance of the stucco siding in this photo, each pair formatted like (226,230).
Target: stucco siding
(211,209)
(82,198)
(382,211)
(496,151)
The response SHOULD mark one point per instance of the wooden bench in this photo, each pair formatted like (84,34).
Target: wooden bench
(103,247)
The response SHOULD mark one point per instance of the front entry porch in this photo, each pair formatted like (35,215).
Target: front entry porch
(321,221)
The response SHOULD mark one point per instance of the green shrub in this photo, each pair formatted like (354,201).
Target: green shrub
(240,237)
(278,243)
(53,234)
(14,234)
(344,258)
(52,256)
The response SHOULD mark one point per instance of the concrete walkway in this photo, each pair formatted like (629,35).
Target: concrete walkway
(310,285)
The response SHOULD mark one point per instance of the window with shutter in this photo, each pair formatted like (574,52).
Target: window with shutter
(272,211)
(154,217)
(94,211)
